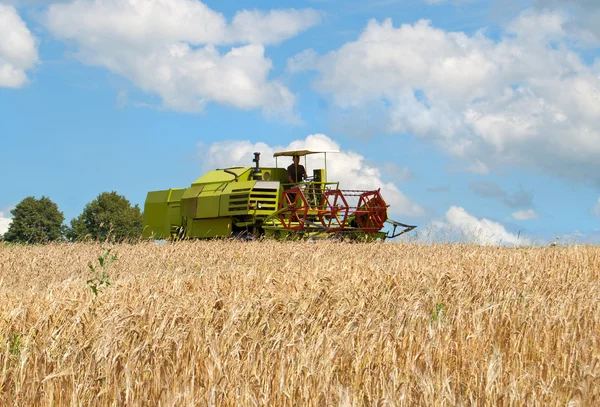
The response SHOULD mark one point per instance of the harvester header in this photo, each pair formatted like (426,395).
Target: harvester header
(269,201)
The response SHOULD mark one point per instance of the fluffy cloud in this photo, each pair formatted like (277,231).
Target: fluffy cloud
(5,222)
(524,100)
(464,226)
(18,51)
(169,47)
(271,28)
(347,167)
(584,23)
(526,214)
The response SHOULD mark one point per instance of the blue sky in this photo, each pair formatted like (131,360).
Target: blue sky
(472,116)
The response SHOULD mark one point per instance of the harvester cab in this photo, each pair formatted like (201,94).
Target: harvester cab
(261,201)
(313,186)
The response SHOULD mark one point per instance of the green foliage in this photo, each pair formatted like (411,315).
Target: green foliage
(15,344)
(99,275)
(109,217)
(437,312)
(35,221)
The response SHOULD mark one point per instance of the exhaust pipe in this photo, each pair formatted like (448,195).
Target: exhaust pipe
(256,171)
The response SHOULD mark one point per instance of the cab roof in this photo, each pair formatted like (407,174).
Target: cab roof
(300,153)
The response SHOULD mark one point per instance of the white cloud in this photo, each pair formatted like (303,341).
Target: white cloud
(169,47)
(5,222)
(584,22)
(596,208)
(303,61)
(482,231)
(525,100)
(347,167)
(18,51)
(526,214)
(255,26)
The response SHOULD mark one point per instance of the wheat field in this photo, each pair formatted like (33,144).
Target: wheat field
(226,323)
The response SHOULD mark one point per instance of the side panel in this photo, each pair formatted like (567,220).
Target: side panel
(209,227)
(208,201)
(161,212)
(189,201)
(175,209)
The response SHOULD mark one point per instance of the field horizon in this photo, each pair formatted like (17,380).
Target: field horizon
(232,323)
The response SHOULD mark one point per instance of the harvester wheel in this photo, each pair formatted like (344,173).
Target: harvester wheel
(333,210)
(295,209)
(372,212)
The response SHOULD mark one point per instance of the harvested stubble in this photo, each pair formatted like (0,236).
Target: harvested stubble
(303,324)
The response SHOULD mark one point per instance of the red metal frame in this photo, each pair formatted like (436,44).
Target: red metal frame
(371,211)
(294,212)
(333,210)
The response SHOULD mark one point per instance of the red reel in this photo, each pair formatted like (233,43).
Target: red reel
(334,210)
(371,212)
(296,209)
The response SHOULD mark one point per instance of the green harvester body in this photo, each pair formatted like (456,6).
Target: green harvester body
(260,201)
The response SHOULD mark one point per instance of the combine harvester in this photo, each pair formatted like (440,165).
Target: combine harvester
(257,201)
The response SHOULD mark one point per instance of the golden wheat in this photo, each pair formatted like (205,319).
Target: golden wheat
(300,324)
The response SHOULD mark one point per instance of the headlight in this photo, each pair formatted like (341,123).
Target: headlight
(267,176)
(259,205)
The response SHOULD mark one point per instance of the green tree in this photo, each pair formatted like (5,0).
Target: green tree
(108,217)
(35,221)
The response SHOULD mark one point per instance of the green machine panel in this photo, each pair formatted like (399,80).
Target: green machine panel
(189,201)
(208,201)
(209,227)
(174,209)
(161,213)
(234,200)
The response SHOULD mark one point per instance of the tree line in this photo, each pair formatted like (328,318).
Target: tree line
(109,217)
